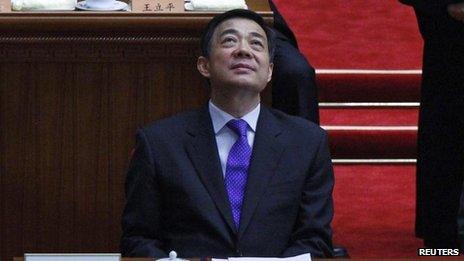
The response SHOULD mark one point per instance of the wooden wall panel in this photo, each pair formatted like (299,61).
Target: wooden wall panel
(67,133)
(48,79)
(68,148)
(13,175)
(125,80)
(88,81)
(29,144)
(2,155)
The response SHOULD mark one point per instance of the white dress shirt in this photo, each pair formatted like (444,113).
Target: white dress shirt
(226,137)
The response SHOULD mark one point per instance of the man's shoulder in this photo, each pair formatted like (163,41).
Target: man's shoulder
(172,125)
(296,124)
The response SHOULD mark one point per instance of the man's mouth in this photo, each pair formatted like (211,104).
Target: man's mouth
(242,66)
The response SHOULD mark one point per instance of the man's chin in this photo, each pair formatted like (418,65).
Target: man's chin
(245,81)
(251,86)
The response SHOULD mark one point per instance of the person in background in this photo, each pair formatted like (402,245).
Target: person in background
(440,161)
(294,89)
(233,178)
(461,221)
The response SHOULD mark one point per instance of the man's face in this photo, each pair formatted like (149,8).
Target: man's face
(239,56)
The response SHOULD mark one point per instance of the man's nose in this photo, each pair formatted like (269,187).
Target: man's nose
(243,50)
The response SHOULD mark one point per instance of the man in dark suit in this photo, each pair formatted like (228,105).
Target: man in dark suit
(233,178)
(440,162)
(461,221)
(294,89)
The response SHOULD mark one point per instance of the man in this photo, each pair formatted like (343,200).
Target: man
(294,89)
(461,221)
(440,163)
(233,178)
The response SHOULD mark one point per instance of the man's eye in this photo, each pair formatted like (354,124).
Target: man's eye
(259,43)
(228,40)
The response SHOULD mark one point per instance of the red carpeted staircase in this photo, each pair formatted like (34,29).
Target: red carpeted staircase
(367,56)
(368,119)
(372,127)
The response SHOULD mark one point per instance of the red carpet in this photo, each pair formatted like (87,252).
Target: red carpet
(355,34)
(373,210)
(383,143)
(369,116)
(388,86)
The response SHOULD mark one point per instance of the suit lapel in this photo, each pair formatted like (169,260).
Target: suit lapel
(202,150)
(266,154)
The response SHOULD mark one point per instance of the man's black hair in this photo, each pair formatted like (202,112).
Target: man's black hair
(236,13)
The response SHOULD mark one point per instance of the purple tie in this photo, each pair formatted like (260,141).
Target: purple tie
(238,162)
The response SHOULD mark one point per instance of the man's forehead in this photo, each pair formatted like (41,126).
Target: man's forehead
(238,24)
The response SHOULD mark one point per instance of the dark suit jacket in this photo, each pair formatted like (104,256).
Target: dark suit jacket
(176,198)
(434,22)
(461,220)
(439,164)
(281,26)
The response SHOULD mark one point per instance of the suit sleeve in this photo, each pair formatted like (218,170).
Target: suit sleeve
(141,215)
(431,7)
(312,232)
(461,220)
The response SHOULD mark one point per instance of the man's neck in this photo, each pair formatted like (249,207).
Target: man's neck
(236,105)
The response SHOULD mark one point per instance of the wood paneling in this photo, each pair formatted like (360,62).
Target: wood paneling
(67,130)
(70,102)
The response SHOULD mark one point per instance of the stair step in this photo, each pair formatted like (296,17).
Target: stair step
(372,142)
(370,116)
(374,161)
(368,86)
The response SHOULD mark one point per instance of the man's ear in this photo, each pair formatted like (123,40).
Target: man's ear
(271,68)
(203,66)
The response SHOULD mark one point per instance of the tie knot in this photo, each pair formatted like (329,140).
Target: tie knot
(238,126)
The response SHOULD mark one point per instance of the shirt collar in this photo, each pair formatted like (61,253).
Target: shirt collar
(220,118)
